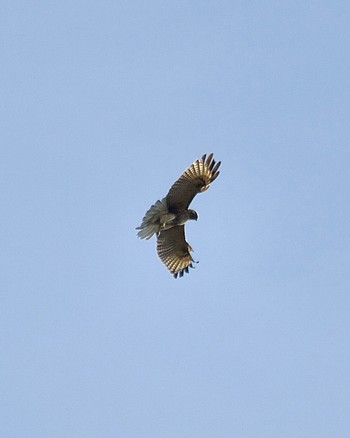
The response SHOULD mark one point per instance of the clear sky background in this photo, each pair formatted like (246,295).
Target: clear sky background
(103,105)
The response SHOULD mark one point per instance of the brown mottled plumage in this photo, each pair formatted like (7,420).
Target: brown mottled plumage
(166,218)
(174,251)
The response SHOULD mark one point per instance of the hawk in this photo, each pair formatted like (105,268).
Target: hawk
(167,218)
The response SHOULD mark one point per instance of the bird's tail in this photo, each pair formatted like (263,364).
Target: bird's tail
(151,223)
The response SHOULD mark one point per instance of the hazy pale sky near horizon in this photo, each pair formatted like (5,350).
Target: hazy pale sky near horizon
(104,104)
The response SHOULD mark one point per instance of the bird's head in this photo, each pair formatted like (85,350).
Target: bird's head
(193,215)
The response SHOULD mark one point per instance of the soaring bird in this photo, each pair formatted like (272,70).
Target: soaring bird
(167,218)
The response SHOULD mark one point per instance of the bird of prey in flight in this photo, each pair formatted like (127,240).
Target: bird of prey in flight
(167,218)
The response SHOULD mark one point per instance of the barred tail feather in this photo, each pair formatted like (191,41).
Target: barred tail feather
(148,231)
(151,223)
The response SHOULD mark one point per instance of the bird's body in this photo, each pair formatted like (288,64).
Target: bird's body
(159,218)
(166,218)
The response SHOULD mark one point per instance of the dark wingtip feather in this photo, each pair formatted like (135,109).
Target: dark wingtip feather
(208,161)
(215,176)
(216,167)
(184,271)
(211,163)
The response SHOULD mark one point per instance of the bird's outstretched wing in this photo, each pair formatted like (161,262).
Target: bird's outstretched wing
(174,251)
(195,179)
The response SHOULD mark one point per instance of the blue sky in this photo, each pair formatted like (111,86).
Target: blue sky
(104,104)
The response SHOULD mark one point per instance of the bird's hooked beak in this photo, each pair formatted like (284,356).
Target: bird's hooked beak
(194,215)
